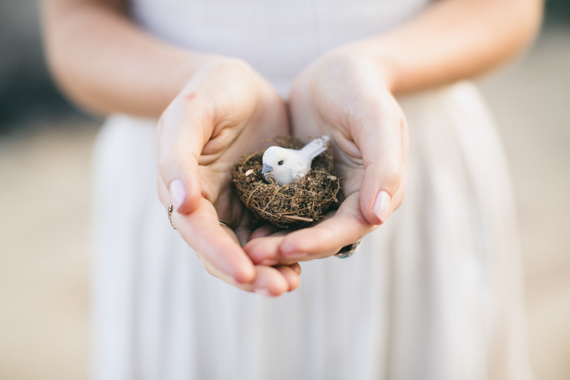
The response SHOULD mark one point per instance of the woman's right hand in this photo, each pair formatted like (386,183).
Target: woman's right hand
(226,111)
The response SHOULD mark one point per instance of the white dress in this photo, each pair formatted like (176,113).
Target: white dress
(434,294)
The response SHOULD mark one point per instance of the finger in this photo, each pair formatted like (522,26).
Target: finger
(263,231)
(292,277)
(241,233)
(265,250)
(182,132)
(383,144)
(327,238)
(219,274)
(398,198)
(202,231)
(163,193)
(296,267)
(269,282)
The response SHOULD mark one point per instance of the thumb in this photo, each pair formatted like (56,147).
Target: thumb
(379,186)
(179,146)
(183,183)
(384,154)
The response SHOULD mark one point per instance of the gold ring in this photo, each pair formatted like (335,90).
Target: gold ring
(225,224)
(170,209)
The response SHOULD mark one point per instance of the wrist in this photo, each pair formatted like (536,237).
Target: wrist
(219,87)
(225,78)
(358,56)
(180,74)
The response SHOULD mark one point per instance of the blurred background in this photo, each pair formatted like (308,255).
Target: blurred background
(45,148)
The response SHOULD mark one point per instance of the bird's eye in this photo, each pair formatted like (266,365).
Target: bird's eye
(280,162)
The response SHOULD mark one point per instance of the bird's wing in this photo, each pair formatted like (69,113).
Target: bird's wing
(316,147)
(300,169)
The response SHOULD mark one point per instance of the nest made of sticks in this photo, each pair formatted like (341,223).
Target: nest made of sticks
(294,205)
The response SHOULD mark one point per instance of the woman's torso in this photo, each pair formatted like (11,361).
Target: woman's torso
(433,294)
(278,38)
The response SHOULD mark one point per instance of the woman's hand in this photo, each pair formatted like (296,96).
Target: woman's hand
(346,97)
(459,39)
(224,112)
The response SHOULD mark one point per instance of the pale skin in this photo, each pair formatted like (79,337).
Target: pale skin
(107,64)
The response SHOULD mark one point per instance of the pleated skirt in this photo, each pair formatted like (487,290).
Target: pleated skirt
(434,294)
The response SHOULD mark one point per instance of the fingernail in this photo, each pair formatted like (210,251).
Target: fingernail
(382,206)
(263,292)
(178,193)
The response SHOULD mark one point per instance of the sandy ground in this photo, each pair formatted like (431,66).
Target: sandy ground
(44,224)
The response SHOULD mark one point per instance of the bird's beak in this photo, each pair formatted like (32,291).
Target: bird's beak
(266,168)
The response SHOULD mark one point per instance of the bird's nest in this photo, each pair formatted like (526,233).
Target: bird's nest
(294,205)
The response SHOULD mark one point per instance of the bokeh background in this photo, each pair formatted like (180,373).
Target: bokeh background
(45,149)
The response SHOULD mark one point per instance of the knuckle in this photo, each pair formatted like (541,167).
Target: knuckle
(164,162)
(400,198)
(162,196)
(394,176)
(169,167)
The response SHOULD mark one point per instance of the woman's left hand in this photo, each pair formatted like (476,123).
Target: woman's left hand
(346,97)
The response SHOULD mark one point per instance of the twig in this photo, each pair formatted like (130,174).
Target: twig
(297,218)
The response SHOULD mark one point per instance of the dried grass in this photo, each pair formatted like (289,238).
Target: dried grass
(293,205)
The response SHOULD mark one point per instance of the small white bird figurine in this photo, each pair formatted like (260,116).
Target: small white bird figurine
(288,165)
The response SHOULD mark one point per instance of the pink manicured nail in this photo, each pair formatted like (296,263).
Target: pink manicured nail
(263,292)
(177,192)
(382,206)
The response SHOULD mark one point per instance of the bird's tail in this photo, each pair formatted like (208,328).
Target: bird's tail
(316,147)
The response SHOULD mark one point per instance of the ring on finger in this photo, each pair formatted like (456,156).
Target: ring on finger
(170,210)
(225,225)
(348,250)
